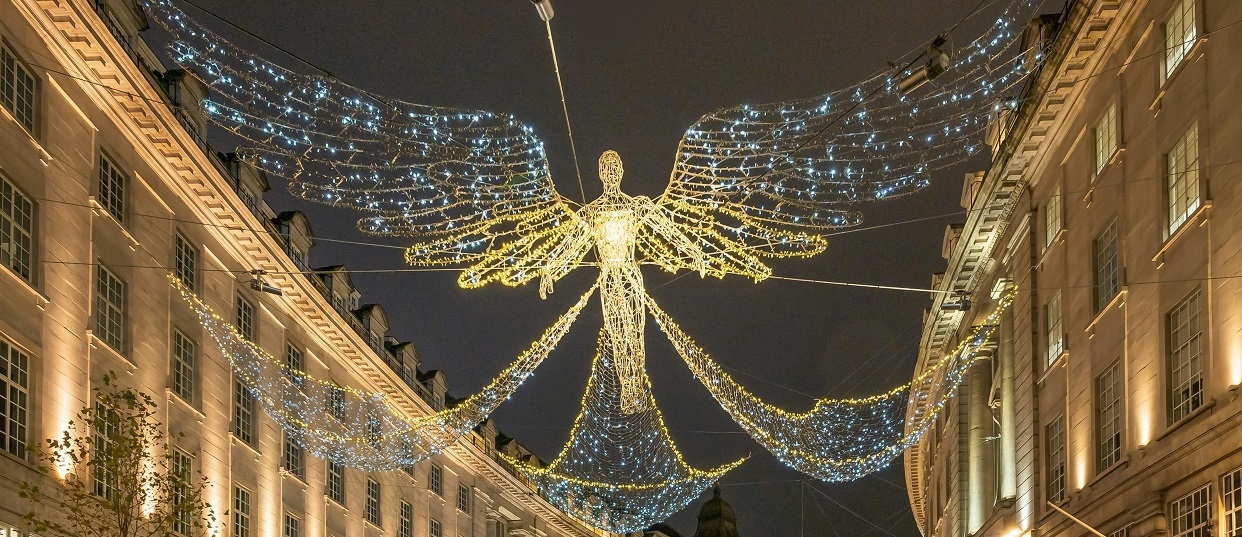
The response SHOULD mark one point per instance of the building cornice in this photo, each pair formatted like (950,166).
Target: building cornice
(79,41)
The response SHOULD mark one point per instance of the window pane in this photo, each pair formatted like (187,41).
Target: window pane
(111,193)
(244,318)
(1055,333)
(18,88)
(1107,267)
(183,366)
(16,229)
(186,268)
(1185,358)
(1109,422)
(1231,493)
(1056,459)
(1180,34)
(243,413)
(1191,515)
(241,512)
(1183,179)
(1106,138)
(14,399)
(109,309)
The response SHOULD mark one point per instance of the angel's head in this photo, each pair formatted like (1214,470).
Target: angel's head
(610,171)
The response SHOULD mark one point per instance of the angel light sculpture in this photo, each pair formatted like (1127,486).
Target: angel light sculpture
(472,189)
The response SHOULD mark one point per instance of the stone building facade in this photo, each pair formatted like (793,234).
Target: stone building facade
(107,184)
(1109,398)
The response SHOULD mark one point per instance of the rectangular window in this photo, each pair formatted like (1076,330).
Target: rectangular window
(1185,336)
(1054,330)
(372,508)
(110,309)
(1056,459)
(295,462)
(1191,515)
(112,183)
(14,398)
(336,403)
(1183,179)
(1105,138)
(1231,492)
(436,530)
(293,526)
(1107,267)
(184,365)
(18,89)
(241,512)
(243,318)
(405,526)
(180,472)
(294,365)
(1052,218)
(1108,419)
(16,230)
(1180,34)
(243,413)
(463,498)
(186,268)
(104,483)
(336,482)
(435,480)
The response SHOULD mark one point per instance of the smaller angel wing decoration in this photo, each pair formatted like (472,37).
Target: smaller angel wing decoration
(753,183)
(473,187)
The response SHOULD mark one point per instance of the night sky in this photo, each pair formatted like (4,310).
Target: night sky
(637,75)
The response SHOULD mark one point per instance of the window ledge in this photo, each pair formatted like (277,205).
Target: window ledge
(284,472)
(100,344)
(1060,361)
(1202,214)
(40,300)
(1194,55)
(104,214)
(1123,462)
(1118,301)
(1194,415)
(24,461)
(330,502)
(172,396)
(1057,240)
(234,440)
(45,157)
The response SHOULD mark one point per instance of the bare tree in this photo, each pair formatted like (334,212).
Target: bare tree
(112,473)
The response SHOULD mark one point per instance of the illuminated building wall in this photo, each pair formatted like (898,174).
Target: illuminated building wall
(106,185)
(1113,204)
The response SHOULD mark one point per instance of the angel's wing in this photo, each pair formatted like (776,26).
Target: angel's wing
(755,182)
(472,187)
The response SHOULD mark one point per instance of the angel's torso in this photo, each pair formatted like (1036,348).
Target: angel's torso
(614,227)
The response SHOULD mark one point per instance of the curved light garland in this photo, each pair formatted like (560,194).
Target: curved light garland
(620,470)
(473,189)
(838,439)
(358,428)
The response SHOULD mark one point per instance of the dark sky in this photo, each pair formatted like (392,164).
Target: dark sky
(637,74)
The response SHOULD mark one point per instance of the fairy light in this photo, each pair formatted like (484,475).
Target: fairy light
(359,428)
(838,439)
(472,189)
(620,471)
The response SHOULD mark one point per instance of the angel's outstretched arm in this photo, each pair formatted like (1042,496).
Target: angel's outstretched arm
(678,249)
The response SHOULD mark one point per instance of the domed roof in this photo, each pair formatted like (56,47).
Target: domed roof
(717,508)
